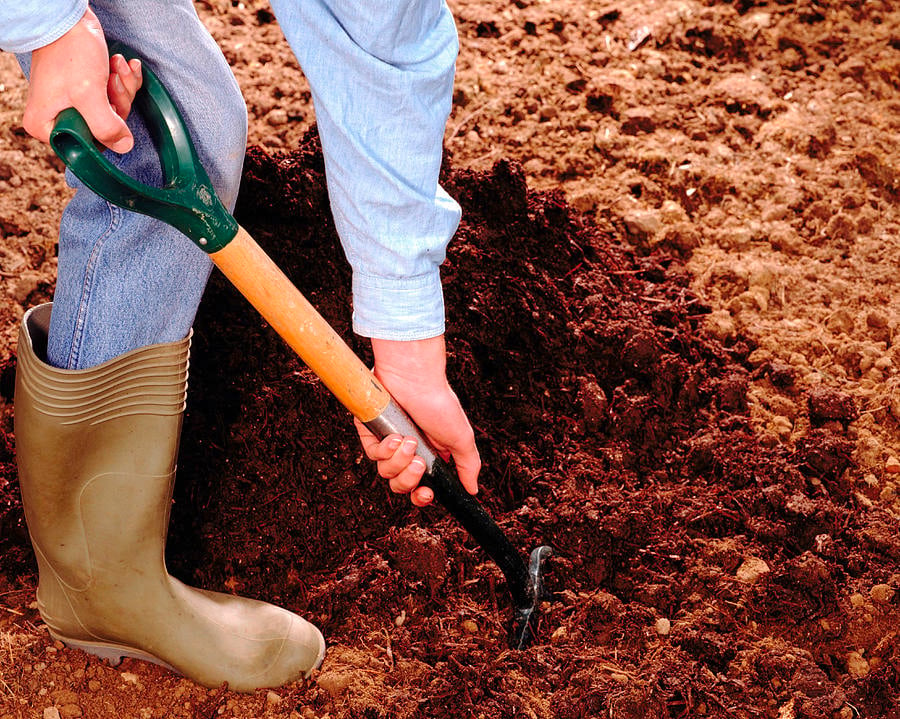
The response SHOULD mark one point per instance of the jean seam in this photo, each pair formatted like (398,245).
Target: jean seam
(115,215)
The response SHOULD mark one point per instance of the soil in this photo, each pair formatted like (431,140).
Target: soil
(672,318)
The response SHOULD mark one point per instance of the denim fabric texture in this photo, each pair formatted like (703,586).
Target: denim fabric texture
(381,75)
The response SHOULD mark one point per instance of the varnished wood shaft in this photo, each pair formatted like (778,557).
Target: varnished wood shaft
(291,315)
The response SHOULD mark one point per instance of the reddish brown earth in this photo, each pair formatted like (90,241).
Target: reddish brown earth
(680,362)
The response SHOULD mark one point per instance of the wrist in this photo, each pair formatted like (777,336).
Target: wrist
(426,358)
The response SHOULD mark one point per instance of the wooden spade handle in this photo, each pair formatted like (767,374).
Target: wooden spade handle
(290,314)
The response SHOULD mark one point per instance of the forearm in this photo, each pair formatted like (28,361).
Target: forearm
(382,77)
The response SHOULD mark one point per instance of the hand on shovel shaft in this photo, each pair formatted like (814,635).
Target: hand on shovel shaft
(414,372)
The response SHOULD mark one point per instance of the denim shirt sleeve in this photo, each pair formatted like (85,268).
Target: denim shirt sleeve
(26,25)
(381,75)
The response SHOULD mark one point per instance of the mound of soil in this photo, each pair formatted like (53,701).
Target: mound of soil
(697,571)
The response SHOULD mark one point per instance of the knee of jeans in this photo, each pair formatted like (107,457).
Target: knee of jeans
(417,33)
(220,139)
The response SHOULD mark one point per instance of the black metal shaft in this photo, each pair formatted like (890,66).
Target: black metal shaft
(523,580)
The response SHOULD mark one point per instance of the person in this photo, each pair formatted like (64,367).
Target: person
(102,372)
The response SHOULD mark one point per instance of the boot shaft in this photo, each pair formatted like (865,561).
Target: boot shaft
(96,450)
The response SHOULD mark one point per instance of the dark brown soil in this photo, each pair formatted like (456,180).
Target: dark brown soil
(697,573)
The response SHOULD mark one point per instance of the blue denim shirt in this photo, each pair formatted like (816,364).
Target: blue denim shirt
(382,78)
(26,25)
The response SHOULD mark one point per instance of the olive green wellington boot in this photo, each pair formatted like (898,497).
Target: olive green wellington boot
(96,451)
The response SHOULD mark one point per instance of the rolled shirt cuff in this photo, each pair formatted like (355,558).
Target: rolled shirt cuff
(35,23)
(408,308)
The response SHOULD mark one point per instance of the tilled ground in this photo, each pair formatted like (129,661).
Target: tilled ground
(680,373)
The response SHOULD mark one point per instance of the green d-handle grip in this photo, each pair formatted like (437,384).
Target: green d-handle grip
(186,200)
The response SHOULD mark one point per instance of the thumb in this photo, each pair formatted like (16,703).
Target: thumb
(106,125)
(468,465)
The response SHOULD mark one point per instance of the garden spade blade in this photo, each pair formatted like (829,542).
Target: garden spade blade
(188,202)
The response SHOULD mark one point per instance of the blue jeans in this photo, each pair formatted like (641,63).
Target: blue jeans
(381,73)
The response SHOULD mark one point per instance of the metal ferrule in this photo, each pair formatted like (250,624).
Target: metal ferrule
(393,420)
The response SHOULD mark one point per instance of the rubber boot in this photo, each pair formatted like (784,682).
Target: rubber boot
(96,451)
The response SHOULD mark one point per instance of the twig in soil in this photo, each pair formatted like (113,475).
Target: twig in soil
(477,111)
(387,648)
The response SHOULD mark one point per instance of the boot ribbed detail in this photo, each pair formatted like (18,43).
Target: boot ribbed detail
(151,380)
(96,451)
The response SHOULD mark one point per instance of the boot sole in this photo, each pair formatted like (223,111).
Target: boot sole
(113,654)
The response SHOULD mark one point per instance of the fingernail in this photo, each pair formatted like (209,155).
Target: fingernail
(409,446)
(138,68)
(394,443)
(419,463)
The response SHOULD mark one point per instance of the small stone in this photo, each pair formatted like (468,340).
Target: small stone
(892,465)
(606,138)
(400,619)
(51,713)
(559,635)
(638,119)
(469,626)
(277,117)
(621,678)
(94,685)
(586,201)
(857,666)
(827,403)
(64,696)
(671,212)
(736,238)
(594,404)
(273,699)
(751,569)
(720,324)
(129,677)
(70,711)
(857,600)
(877,319)
(882,593)
(548,112)
(335,683)
(643,223)
(663,626)
(840,321)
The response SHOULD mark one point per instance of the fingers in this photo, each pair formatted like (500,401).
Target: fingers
(421,496)
(125,80)
(398,463)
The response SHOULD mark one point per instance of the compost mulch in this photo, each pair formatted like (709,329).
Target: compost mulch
(697,571)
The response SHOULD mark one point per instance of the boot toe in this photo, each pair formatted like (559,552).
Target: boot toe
(301,651)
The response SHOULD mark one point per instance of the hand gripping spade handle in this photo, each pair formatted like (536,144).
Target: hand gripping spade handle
(188,202)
